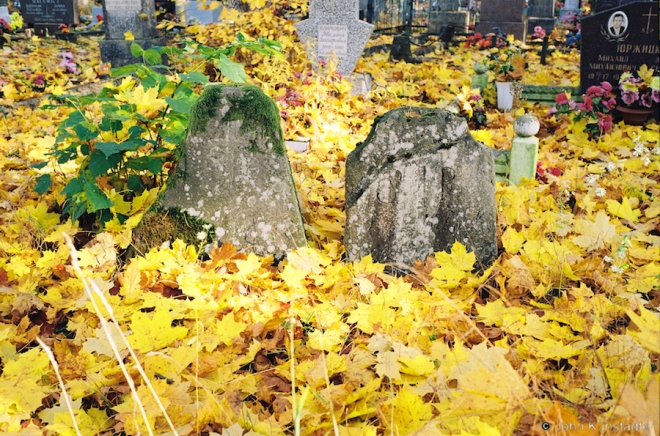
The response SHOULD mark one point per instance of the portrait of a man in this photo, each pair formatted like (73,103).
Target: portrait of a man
(617,24)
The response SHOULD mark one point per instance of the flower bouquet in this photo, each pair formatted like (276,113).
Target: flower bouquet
(508,63)
(596,105)
(639,94)
(640,91)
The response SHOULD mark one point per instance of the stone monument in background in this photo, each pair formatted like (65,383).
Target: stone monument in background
(541,13)
(507,15)
(448,14)
(47,16)
(571,8)
(333,30)
(121,16)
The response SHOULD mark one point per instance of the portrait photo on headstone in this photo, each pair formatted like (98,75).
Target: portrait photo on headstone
(618,24)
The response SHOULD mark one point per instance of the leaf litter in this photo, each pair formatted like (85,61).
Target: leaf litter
(563,328)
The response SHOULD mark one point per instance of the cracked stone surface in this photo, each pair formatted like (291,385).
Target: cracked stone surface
(419,183)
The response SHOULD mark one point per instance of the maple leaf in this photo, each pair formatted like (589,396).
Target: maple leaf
(146,102)
(101,344)
(388,365)
(594,235)
(487,373)
(647,324)
(153,331)
(410,412)
(21,387)
(229,330)
(89,421)
(623,210)
(329,340)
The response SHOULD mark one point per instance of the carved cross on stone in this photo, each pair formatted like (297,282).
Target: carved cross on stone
(334,30)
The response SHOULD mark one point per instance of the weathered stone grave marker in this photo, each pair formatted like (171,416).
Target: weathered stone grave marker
(629,49)
(49,14)
(236,174)
(507,15)
(448,14)
(334,30)
(419,183)
(570,6)
(121,16)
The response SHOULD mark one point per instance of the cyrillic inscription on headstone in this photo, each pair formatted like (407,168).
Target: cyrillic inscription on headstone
(52,11)
(122,5)
(333,39)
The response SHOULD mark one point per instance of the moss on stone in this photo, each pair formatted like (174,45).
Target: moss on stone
(168,224)
(254,108)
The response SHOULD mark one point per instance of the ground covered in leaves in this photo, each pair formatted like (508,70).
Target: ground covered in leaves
(562,329)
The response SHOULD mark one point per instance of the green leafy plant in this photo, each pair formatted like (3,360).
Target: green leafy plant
(135,145)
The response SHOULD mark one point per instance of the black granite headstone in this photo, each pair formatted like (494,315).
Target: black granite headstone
(603,5)
(619,39)
(507,15)
(49,14)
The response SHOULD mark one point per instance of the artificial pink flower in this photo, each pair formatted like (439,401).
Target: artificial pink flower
(646,100)
(539,32)
(629,97)
(587,105)
(562,98)
(595,91)
(609,103)
(655,95)
(604,122)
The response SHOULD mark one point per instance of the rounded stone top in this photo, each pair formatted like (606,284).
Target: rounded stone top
(526,125)
(480,67)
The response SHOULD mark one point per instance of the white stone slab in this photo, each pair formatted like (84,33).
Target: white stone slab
(333,30)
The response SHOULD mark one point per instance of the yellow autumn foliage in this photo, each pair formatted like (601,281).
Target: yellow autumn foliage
(565,321)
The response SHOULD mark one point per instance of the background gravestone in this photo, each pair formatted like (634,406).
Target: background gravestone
(4,11)
(48,14)
(541,13)
(121,16)
(448,14)
(603,5)
(572,6)
(419,183)
(611,55)
(333,29)
(508,15)
(236,174)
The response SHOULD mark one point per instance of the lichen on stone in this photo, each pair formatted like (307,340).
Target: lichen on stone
(254,108)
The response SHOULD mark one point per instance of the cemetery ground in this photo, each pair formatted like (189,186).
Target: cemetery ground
(559,336)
